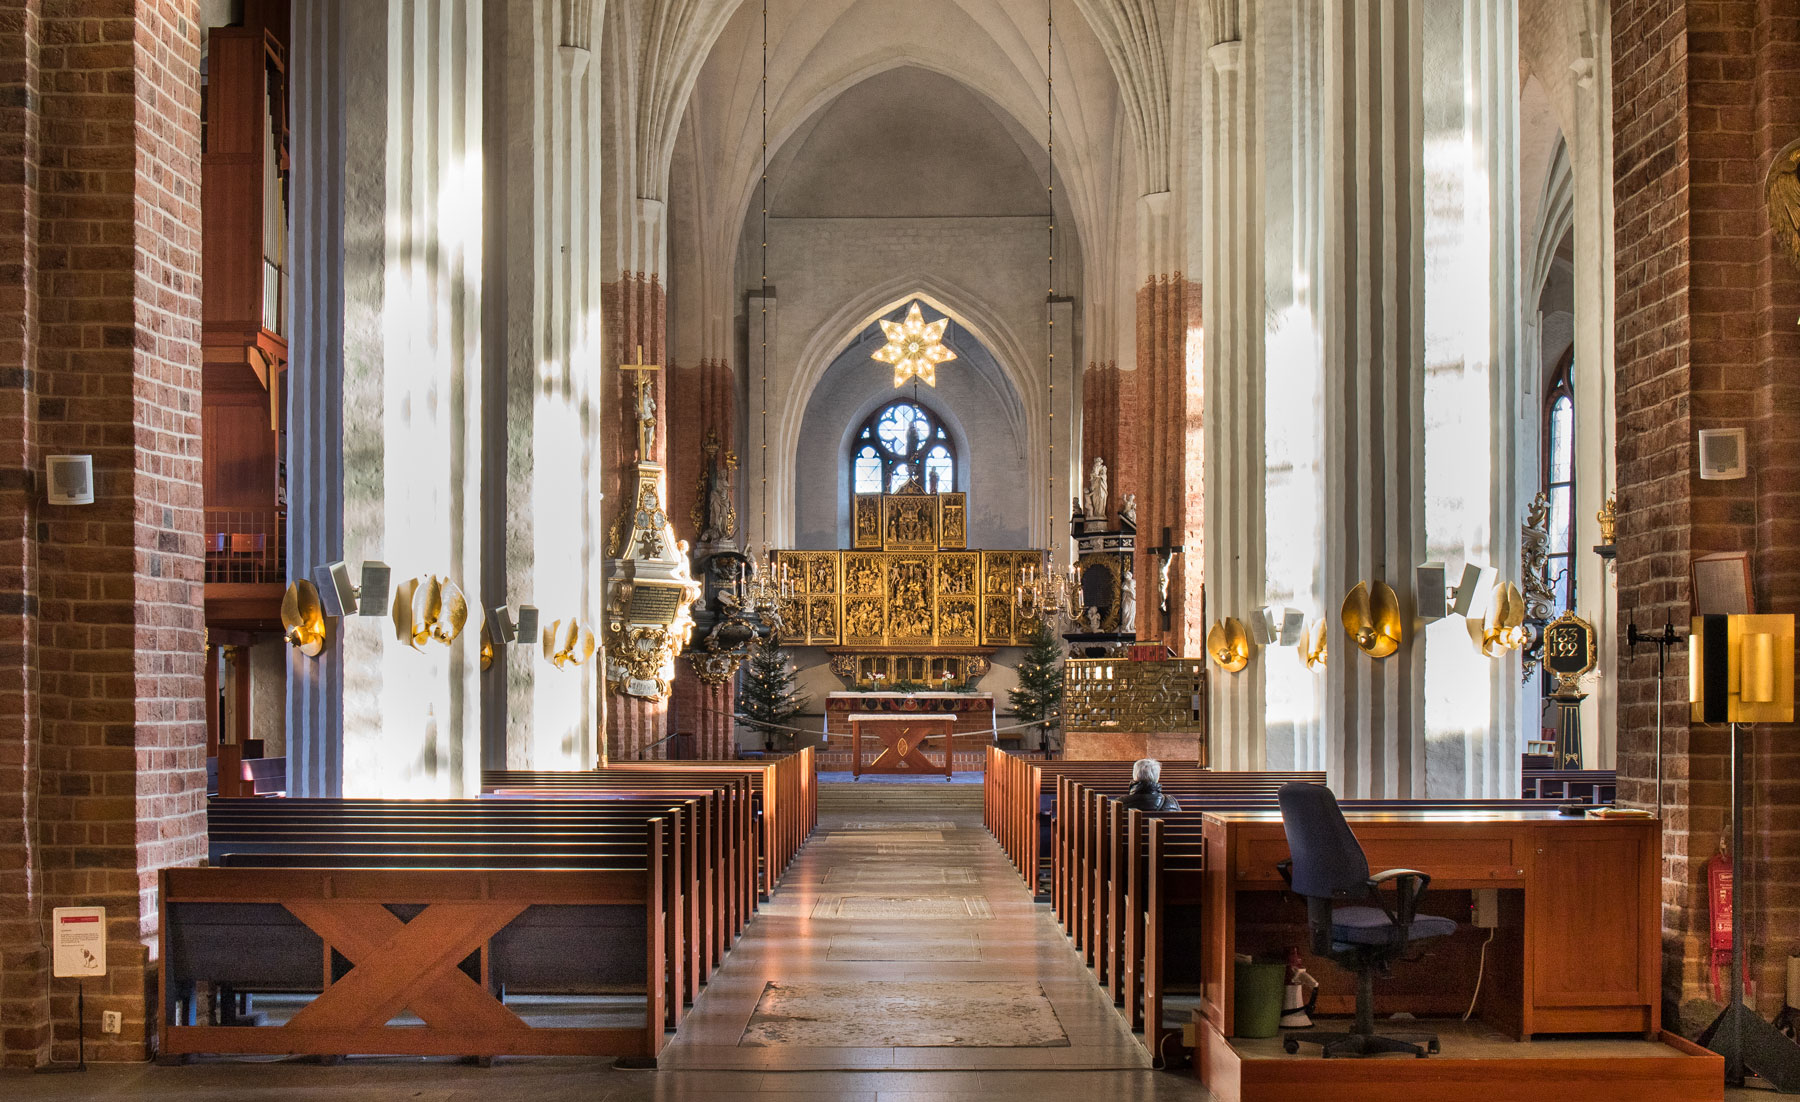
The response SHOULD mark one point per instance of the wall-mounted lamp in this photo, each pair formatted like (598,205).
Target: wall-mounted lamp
(1371,617)
(1228,643)
(303,618)
(1741,669)
(1502,628)
(429,608)
(1315,643)
(568,643)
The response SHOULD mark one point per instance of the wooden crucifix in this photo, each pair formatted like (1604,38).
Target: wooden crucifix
(646,405)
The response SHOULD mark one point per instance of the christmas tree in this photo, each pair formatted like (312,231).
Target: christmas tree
(768,698)
(1038,699)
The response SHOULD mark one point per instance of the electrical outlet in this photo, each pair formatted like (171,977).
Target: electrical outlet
(111,1021)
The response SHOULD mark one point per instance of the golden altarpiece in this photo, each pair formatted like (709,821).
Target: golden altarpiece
(910,604)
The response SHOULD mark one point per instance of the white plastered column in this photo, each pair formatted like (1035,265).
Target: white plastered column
(392,266)
(1232,350)
(1596,584)
(1373,722)
(545,299)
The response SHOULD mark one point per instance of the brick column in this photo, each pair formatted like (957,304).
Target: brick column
(1703,98)
(1169,494)
(636,310)
(101,681)
(704,400)
(24,962)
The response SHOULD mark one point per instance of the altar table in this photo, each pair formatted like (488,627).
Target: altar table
(901,738)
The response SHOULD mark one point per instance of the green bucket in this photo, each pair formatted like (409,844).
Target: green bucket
(1258,1000)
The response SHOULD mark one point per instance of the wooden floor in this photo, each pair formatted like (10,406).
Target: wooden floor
(895,934)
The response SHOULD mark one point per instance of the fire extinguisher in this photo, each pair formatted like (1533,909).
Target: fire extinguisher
(1718,895)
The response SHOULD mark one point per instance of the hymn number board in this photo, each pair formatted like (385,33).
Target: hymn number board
(915,587)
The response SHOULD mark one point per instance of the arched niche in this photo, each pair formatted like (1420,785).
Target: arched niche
(974,400)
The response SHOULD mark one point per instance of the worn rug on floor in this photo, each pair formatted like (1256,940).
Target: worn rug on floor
(953,1014)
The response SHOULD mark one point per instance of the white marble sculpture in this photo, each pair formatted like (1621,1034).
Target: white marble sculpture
(1096,490)
(1162,582)
(1128,605)
(1128,509)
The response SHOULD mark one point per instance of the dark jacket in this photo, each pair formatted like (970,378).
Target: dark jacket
(1148,796)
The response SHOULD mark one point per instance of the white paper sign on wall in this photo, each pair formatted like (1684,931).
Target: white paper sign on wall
(80,942)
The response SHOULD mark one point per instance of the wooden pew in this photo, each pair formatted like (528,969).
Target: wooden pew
(1593,786)
(327,832)
(603,927)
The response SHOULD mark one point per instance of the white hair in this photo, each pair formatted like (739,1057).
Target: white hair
(1146,769)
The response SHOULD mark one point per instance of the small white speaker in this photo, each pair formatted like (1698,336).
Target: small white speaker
(1475,592)
(1262,625)
(372,598)
(527,625)
(1292,628)
(1722,455)
(336,595)
(500,624)
(1429,591)
(70,479)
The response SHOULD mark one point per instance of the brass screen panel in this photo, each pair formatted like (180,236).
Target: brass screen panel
(866,523)
(953,516)
(909,522)
(1112,694)
(912,598)
(812,584)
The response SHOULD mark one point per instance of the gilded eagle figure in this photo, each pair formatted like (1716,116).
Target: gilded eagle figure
(1782,193)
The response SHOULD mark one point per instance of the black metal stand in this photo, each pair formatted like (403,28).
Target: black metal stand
(1749,1044)
(1663,643)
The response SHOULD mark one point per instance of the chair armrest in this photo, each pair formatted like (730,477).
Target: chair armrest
(1409,887)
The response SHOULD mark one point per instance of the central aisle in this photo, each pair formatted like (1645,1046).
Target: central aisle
(902,938)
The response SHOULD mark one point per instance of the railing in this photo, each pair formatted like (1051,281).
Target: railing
(246,546)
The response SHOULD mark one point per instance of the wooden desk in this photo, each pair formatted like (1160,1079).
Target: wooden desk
(901,738)
(1581,913)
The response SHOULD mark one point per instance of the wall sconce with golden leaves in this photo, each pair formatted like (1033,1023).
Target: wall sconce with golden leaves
(1228,644)
(1371,618)
(1503,628)
(568,643)
(1313,645)
(303,618)
(429,609)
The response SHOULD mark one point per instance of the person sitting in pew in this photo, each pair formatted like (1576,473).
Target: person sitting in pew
(1145,793)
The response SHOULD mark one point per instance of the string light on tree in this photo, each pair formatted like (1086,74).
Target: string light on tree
(915,347)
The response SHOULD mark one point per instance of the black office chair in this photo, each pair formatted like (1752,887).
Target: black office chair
(1328,867)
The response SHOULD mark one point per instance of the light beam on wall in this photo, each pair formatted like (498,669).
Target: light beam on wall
(915,347)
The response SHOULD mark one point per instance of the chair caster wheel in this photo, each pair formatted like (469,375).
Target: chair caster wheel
(1432,1048)
(1290,1046)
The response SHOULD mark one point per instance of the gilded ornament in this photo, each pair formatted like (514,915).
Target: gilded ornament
(1608,517)
(1228,644)
(1314,647)
(303,618)
(1503,628)
(1371,617)
(1781,192)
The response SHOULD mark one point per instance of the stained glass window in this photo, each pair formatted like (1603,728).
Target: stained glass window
(902,442)
(1559,483)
